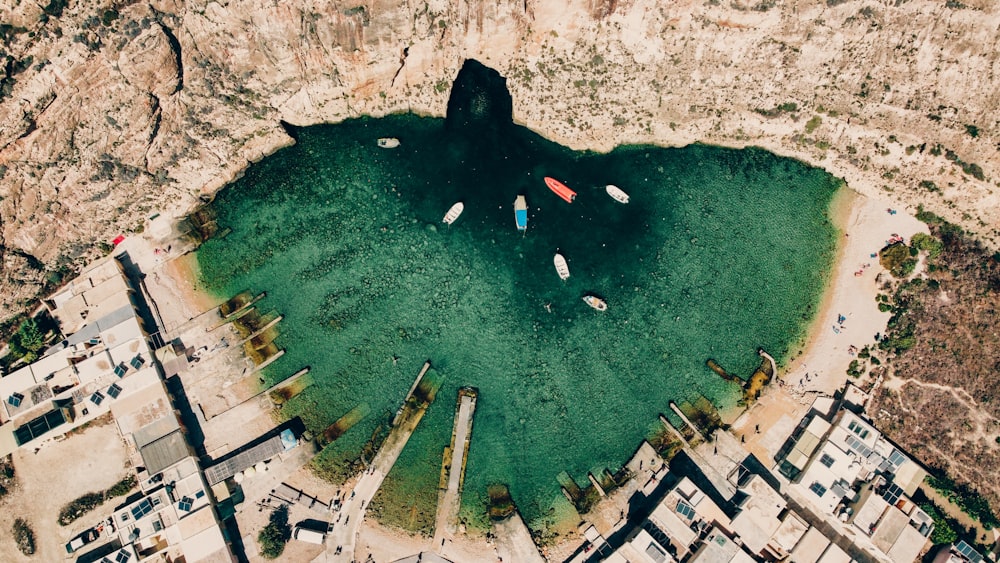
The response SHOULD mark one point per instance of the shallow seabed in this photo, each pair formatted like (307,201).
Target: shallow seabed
(718,253)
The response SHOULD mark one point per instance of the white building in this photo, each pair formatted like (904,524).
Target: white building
(106,364)
(106,356)
(849,471)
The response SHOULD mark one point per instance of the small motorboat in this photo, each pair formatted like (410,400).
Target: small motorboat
(560,189)
(388,142)
(595,302)
(616,193)
(561,267)
(521,213)
(453,213)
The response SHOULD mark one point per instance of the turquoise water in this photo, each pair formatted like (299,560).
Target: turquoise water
(718,253)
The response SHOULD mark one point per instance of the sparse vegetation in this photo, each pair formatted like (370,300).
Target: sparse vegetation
(24,536)
(929,186)
(787,107)
(6,475)
(942,342)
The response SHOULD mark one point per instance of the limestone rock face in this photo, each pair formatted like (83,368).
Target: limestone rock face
(150,63)
(111,111)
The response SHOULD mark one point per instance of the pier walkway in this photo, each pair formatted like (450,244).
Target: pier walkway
(449,499)
(342,539)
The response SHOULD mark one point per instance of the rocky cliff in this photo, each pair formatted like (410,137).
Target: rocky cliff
(111,111)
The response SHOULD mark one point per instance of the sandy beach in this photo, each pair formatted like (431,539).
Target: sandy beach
(849,318)
(847,321)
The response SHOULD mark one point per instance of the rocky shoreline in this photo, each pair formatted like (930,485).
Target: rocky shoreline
(110,114)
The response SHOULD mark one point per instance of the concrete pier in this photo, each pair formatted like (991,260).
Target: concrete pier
(774,366)
(416,382)
(283,387)
(456,456)
(269,360)
(233,317)
(244,389)
(677,410)
(596,484)
(261,331)
(674,431)
(345,528)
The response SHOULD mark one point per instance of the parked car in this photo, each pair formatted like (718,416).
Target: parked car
(81,540)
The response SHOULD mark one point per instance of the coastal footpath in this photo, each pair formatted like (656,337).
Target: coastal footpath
(111,112)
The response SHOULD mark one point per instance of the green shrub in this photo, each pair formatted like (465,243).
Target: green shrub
(78,507)
(943,532)
(896,258)
(928,217)
(28,340)
(55,7)
(813,123)
(84,504)
(273,537)
(121,488)
(971,502)
(932,245)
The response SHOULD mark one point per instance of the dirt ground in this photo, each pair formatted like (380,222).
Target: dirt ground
(98,460)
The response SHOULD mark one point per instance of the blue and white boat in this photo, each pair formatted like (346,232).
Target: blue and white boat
(521,213)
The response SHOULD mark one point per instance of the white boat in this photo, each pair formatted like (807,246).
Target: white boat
(454,212)
(388,142)
(595,302)
(616,193)
(561,267)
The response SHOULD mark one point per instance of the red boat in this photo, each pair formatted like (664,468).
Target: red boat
(560,189)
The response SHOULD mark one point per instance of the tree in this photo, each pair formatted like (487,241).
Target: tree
(28,341)
(30,335)
(272,538)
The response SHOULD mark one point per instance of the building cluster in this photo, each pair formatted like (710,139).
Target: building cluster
(109,363)
(839,491)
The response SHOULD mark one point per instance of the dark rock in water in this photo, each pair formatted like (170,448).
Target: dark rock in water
(480,103)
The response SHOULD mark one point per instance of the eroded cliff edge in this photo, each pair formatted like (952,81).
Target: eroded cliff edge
(110,111)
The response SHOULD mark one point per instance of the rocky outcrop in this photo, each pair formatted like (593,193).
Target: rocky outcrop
(112,111)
